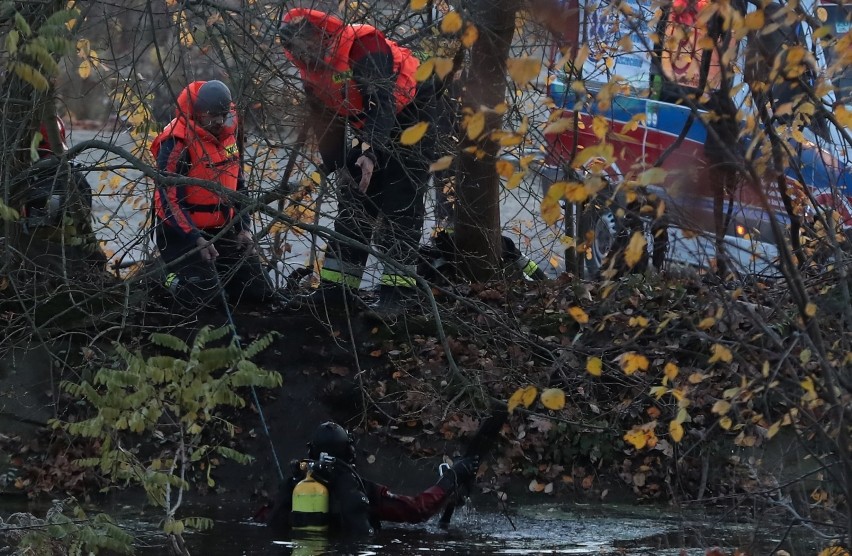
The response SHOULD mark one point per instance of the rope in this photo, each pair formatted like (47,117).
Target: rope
(236,340)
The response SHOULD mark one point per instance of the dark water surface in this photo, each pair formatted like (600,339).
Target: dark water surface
(603,529)
(530,530)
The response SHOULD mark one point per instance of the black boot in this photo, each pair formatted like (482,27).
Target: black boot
(393,302)
(328,296)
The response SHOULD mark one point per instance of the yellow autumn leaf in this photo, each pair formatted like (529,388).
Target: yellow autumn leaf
(515,180)
(696,377)
(773,429)
(510,139)
(83,48)
(754,21)
(579,315)
(505,168)
(551,210)
(658,391)
(475,125)
(810,389)
(726,422)
(523,70)
(652,176)
(834,551)
(676,431)
(634,122)
(671,370)
(811,310)
(605,151)
(553,398)
(576,192)
(639,321)
(594,366)
(441,164)
(600,126)
(635,249)
(424,70)
(414,133)
(470,35)
(636,438)
(85,69)
(632,362)
(721,407)
(720,353)
(522,396)
(418,4)
(452,23)
(443,66)
(529,395)
(559,126)
(843,115)
(706,323)
(525,160)
(582,56)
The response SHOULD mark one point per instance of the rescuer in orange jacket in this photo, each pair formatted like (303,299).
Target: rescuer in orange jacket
(354,76)
(200,142)
(56,205)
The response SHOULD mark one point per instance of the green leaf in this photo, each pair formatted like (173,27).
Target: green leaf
(8,213)
(30,75)
(198,523)
(38,51)
(12,41)
(22,25)
(169,341)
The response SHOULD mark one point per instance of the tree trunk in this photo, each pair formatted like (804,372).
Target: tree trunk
(477,226)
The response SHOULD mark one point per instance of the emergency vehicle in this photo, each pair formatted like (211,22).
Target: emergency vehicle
(648,129)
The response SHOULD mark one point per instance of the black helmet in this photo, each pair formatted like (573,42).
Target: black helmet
(332,439)
(213,97)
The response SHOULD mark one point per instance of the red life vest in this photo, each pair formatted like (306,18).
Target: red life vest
(211,158)
(334,86)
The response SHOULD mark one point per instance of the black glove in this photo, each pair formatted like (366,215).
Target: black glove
(462,471)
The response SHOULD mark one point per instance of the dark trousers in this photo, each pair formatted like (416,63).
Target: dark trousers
(195,282)
(394,198)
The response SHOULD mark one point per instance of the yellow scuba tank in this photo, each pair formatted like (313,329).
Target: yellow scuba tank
(310,505)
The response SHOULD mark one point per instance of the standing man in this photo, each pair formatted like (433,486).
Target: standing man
(354,77)
(200,142)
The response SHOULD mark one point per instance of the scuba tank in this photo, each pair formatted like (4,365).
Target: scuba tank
(310,504)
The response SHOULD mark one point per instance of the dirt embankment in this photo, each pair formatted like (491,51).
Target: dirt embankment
(665,383)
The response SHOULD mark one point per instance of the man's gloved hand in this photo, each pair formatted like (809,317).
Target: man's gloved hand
(462,471)
(367,166)
(206,250)
(465,468)
(245,241)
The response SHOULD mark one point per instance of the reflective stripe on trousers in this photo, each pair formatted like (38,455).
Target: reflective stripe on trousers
(338,272)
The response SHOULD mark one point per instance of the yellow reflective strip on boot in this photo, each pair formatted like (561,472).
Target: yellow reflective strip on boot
(338,277)
(398,281)
(530,268)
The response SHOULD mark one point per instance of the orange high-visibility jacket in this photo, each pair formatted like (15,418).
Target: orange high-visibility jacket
(211,158)
(334,86)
